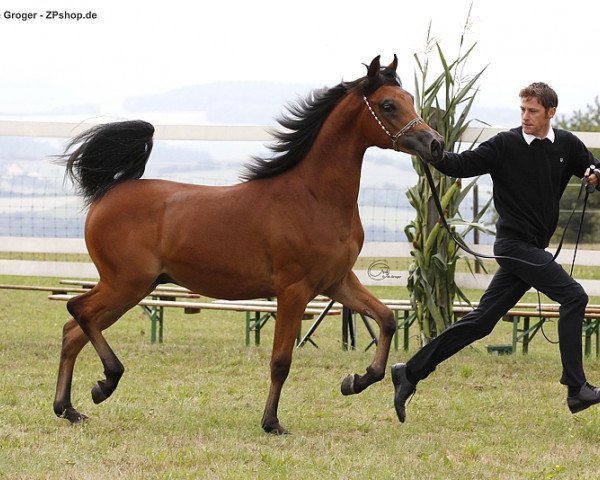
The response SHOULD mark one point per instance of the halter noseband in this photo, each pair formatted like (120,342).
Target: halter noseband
(414,122)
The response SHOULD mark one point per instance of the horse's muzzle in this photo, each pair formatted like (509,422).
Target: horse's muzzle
(427,144)
(436,149)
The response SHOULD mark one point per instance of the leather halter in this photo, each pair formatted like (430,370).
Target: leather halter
(395,138)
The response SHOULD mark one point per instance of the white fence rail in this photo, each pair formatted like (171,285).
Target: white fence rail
(381,254)
(376,250)
(229,133)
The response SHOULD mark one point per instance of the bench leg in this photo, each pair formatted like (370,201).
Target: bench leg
(407,324)
(370,330)
(348,329)
(592,329)
(257,327)
(587,329)
(515,333)
(314,326)
(596,327)
(153,327)
(247,329)
(156,317)
(397,317)
(526,335)
(161,317)
(254,323)
(404,325)
(345,327)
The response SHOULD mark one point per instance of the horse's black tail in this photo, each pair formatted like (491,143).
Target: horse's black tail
(101,157)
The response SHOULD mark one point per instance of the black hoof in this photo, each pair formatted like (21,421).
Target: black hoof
(348,385)
(98,396)
(73,415)
(276,430)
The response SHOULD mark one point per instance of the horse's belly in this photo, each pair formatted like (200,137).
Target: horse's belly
(217,279)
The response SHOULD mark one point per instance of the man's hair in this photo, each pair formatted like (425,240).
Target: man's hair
(543,92)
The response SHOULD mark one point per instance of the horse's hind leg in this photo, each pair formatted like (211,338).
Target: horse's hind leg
(94,312)
(73,341)
(352,294)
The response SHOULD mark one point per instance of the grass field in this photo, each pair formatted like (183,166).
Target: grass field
(191,407)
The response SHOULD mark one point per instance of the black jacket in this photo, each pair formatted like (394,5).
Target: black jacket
(528,179)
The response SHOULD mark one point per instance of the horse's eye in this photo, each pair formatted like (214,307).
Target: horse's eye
(388,107)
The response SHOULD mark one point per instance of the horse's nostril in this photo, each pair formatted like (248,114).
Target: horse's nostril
(437,149)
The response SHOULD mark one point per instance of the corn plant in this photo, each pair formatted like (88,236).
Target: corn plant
(444,103)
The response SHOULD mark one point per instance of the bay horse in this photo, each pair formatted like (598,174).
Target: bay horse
(291,229)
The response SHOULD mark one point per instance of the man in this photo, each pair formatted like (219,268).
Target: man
(530,167)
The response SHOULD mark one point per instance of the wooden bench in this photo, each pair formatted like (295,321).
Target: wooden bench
(525,333)
(406,316)
(320,308)
(154,312)
(260,310)
(523,312)
(403,312)
(43,288)
(87,284)
(80,287)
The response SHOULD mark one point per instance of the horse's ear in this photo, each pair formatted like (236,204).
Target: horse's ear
(374,68)
(394,65)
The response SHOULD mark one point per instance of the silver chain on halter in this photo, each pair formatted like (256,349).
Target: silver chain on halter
(415,121)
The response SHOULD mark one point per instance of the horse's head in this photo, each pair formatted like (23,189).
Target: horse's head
(391,110)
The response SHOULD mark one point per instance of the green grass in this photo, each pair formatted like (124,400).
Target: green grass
(191,407)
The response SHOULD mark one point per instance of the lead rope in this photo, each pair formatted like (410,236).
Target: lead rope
(418,120)
(463,246)
(585,200)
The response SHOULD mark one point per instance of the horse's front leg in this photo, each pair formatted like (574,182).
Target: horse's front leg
(287,325)
(352,294)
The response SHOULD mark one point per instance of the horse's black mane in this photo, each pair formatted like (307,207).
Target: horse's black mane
(303,121)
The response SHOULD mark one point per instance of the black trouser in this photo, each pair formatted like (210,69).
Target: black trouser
(508,285)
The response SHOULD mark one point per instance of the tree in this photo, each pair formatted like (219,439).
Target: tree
(444,103)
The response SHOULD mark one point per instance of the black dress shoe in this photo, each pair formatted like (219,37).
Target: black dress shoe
(587,396)
(403,389)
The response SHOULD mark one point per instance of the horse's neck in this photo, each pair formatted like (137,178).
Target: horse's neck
(332,168)
(335,174)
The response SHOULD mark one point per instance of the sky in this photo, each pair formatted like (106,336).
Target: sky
(140,47)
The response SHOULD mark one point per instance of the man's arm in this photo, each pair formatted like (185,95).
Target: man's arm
(469,163)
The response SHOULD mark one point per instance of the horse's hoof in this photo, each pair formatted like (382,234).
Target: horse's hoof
(348,385)
(279,430)
(73,416)
(276,429)
(98,396)
(80,418)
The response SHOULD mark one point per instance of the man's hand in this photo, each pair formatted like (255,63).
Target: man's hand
(592,180)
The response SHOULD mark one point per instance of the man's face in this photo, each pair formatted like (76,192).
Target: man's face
(535,120)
